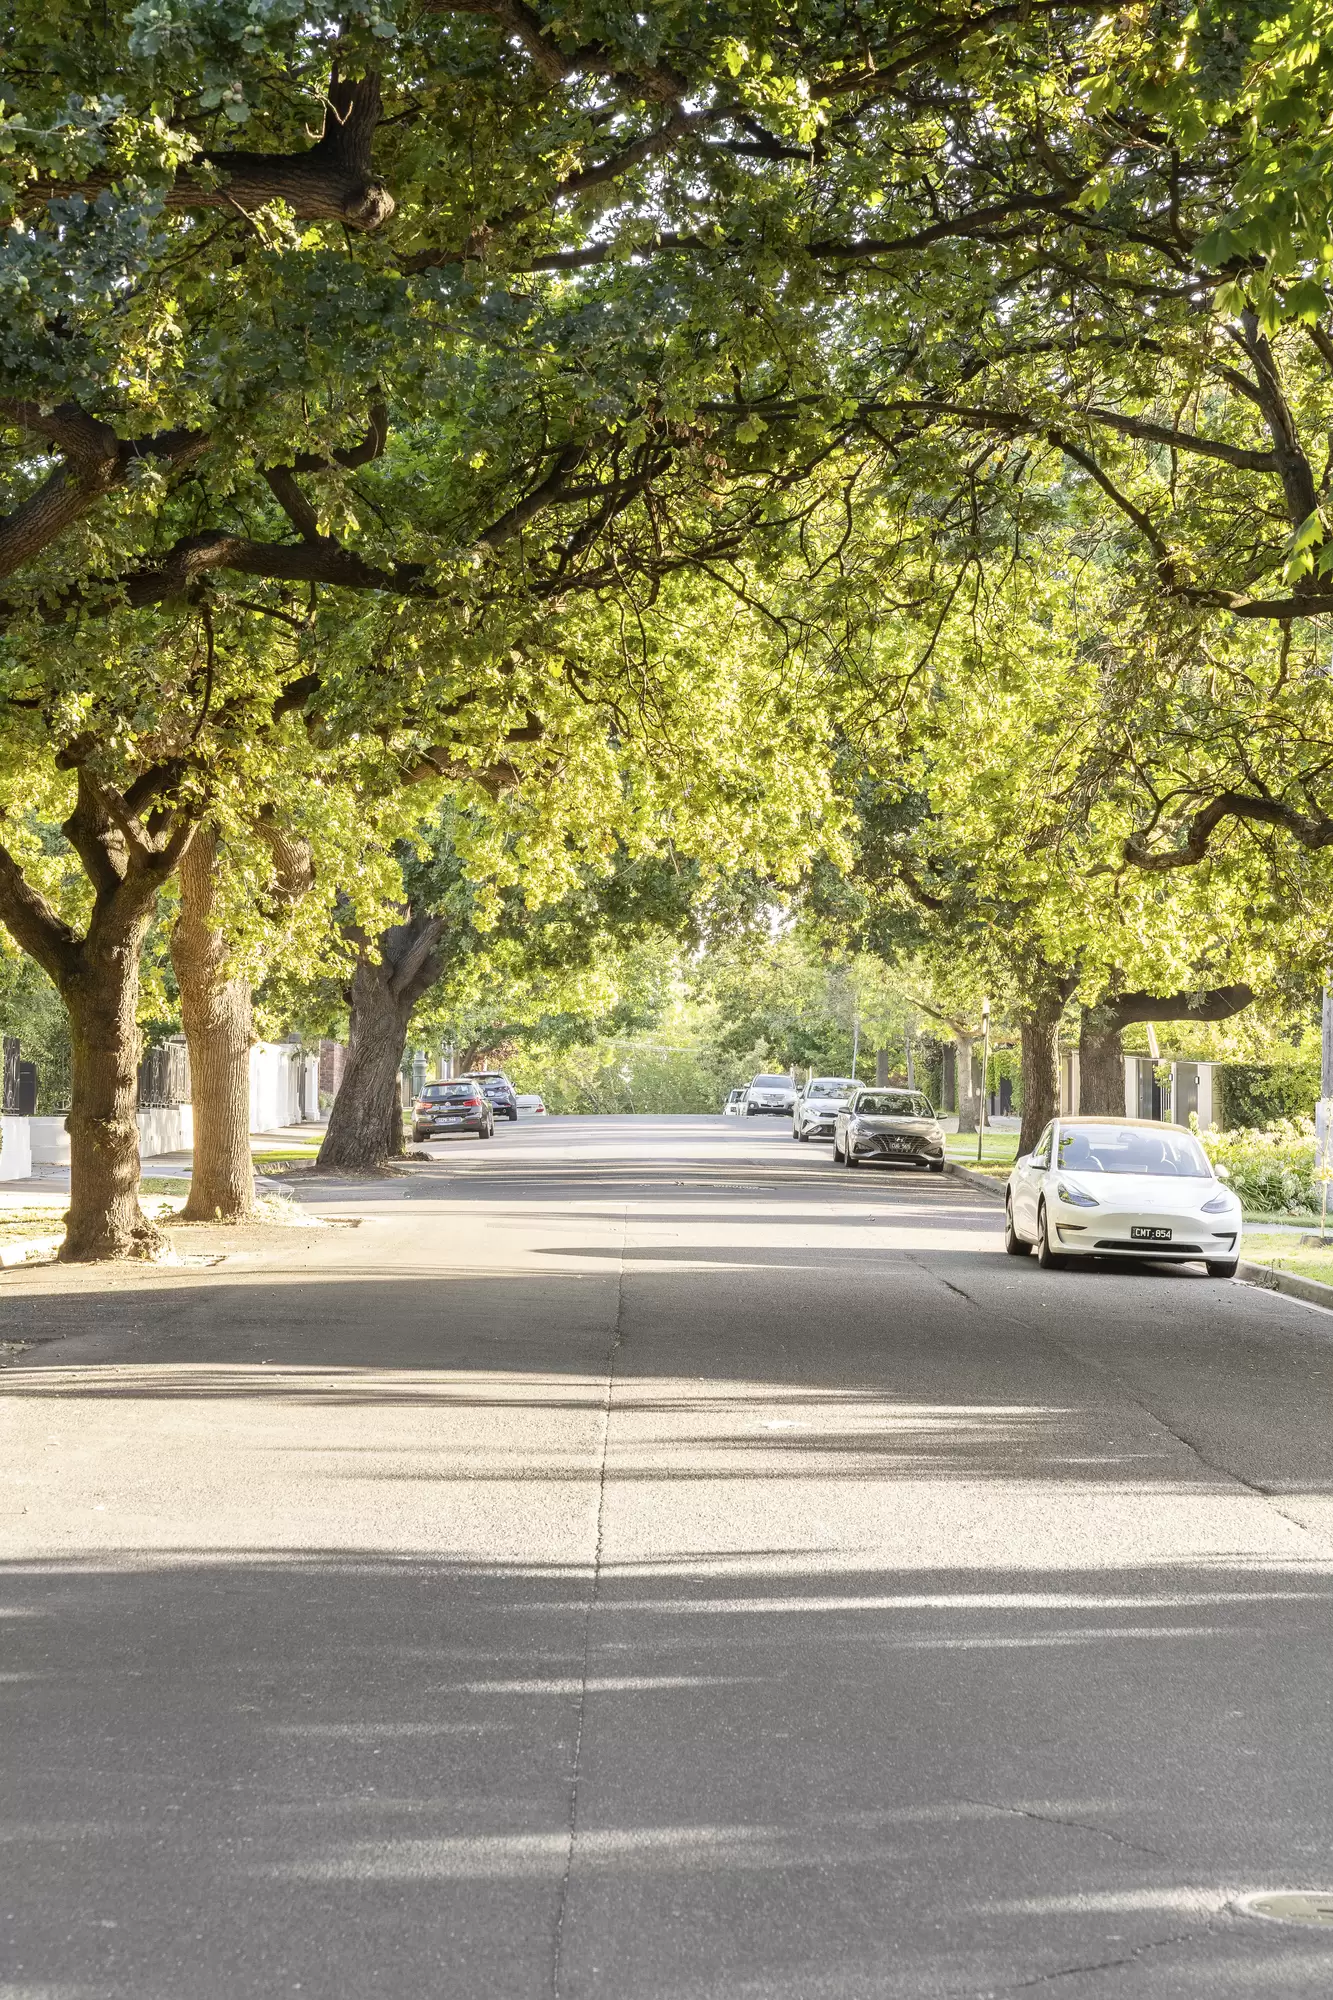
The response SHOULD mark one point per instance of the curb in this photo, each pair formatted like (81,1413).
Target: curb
(976,1180)
(1308,1290)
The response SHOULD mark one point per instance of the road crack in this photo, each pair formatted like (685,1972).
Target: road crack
(1116,1964)
(1076,1825)
(576,1772)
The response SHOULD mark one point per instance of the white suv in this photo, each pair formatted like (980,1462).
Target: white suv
(774,1095)
(818,1105)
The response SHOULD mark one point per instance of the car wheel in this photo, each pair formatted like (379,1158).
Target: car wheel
(1050,1260)
(936,1166)
(513,1116)
(1013,1242)
(849,1158)
(1222,1267)
(837,1151)
(799,1132)
(417,1137)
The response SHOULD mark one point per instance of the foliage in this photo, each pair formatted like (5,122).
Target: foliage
(1262,1094)
(1272,1171)
(622,1075)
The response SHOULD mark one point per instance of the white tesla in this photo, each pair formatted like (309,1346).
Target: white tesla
(1121,1187)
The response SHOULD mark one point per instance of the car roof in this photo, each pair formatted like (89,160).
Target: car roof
(1114,1118)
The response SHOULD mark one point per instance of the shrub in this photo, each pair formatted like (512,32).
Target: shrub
(1264,1094)
(1271,1171)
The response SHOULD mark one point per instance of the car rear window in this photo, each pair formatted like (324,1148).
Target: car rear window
(893,1104)
(439,1091)
(1133,1149)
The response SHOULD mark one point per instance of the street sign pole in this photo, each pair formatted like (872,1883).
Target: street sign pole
(985,1065)
(1323,1114)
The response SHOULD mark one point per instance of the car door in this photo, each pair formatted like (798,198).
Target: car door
(1027,1183)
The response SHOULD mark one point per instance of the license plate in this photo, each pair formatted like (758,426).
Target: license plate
(1142,1234)
(895,1145)
(448,1121)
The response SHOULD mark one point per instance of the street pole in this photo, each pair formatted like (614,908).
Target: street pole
(985,1065)
(856,1042)
(1324,1116)
(1323,1119)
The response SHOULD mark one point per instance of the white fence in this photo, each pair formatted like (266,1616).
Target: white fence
(284,1090)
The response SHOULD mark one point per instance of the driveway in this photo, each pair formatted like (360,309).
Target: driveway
(638,1559)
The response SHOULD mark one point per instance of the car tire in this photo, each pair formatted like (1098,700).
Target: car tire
(1050,1260)
(1222,1267)
(935,1166)
(849,1158)
(837,1151)
(1013,1242)
(799,1133)
(417,1137)
(513,1116)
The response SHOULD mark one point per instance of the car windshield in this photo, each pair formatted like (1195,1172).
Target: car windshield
(1133,1149)
(893,1104)
(771,1083)
(828,1086)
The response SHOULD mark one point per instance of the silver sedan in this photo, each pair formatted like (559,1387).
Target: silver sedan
(897,1125)
(817,1106)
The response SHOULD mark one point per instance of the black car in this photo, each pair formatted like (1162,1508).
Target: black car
(452,1107)
(499,1091)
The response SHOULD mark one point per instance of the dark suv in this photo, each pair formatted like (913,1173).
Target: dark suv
(452,1107)
(499,1091)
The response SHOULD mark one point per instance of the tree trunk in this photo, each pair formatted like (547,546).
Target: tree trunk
(101,999)
(216,1012)
(1101,1066)
(965,1089)
(366,1122)
(1039,1033)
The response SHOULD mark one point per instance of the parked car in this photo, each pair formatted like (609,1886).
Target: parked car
(499,1091)
(770,1096)
(817,1106)
(529,1101)
(460,1106)
(1121,1187)
(735,1104)
(878,1124)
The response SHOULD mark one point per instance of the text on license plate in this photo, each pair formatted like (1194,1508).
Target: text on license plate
(1143,1234)
(897,1145)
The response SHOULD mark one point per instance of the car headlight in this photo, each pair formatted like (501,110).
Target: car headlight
(1074,1196)
(1219,1204)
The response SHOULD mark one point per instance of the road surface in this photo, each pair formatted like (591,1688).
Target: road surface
(639,1561)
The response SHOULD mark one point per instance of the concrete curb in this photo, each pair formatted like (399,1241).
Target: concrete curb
(1309,1290)
(976,1180)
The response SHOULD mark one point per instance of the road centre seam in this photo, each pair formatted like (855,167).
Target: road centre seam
(576,1770)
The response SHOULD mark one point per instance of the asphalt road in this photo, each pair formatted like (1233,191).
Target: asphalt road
(641,1560)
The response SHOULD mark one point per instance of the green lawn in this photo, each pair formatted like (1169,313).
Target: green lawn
(1287,1253)
(999,1150)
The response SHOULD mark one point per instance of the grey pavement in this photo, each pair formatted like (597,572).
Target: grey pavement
(639,1561)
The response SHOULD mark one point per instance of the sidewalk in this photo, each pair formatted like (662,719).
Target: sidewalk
(32,1212)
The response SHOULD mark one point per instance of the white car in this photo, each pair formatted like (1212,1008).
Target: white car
(735,1104)
(530,1102)
(818,1105)
(1121,1187)
(772,1094)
